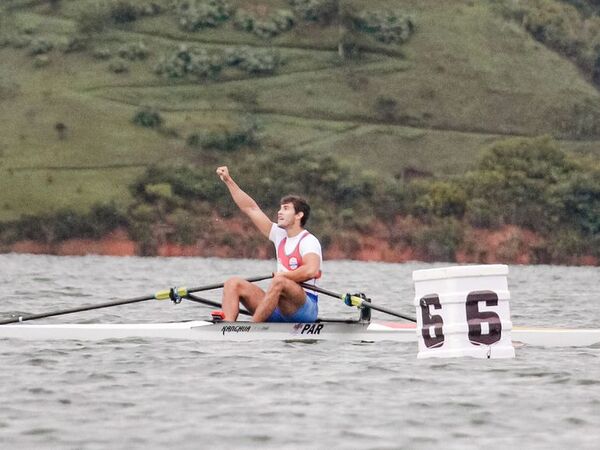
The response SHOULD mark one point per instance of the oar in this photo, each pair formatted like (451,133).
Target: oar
(208,302)
(160,295)
(353,300)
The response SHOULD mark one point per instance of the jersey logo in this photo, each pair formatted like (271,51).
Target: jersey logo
(293,262)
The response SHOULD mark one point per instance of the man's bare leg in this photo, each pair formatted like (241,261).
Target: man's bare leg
(238,290)
(282,292)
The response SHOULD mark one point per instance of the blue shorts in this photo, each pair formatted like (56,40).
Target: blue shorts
(307,313)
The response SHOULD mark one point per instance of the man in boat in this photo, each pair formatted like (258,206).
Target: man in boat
(299,259)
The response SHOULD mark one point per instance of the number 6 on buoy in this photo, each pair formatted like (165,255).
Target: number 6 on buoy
(463,311)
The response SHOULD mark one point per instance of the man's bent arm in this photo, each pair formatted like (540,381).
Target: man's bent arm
(246,203)
(311,264)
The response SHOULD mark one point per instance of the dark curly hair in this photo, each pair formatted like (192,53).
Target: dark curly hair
(300,205)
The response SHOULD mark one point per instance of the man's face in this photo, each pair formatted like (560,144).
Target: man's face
(286,216)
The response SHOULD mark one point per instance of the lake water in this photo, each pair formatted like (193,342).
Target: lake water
(183,394)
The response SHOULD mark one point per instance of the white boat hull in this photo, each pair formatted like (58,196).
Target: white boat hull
(247,331)
(556,337)
(208,331)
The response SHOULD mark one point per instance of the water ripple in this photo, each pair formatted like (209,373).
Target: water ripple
(183,394)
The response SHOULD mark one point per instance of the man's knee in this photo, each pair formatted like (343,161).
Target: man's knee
(278,282)
(234,284)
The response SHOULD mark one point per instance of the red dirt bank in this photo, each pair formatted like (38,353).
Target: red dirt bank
(509,244)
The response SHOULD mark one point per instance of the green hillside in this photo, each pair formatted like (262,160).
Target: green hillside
(465,78)
(422,90)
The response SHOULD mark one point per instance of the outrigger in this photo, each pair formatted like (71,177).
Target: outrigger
(362,329)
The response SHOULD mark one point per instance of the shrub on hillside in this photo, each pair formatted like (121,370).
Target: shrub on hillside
(93,19)
(323,179)
(596,67)
(19,41)
(392,199)
(73,44)
(106,217)
(243,20)
(159,191)
(40,46)
(194,15)
(28,28)
(141,219)
(440,240)
(526,182)
(584,120)
(481,214)
(277,23)
(98,15)
(8,90)
(186,183)
(234,56)
(252,60)
(184,229)
(133,51)
(563,245)
(244,134)
(437,199)
(284,19)
(555,24)
(189,62)
(54,4)
(118,66)
(102,53)
(41,61)
(152,8)
(521,178)
(32,227)
(67,224)
(323,11)
(258,61)
(148,116)
(330,187)
(385,26)
(581,202)
(123,11)
(586,7)
(247,97)
(560,26)
(223,140)
(265,29)
(386,108)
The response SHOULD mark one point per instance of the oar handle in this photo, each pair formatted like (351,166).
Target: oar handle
(353,300)
(220,285)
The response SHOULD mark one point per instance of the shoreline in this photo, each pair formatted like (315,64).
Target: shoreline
(509,245)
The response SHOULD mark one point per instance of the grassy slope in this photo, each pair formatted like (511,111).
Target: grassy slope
(466,78)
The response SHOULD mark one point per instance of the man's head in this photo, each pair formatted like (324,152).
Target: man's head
(293,207)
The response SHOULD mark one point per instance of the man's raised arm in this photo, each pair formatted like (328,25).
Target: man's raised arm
(246,203)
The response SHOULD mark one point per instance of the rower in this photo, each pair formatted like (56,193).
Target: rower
(299,260)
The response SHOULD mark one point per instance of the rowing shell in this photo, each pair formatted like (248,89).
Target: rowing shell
(375,331)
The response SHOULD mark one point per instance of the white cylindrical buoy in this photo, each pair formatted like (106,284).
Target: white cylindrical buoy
(463,311)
